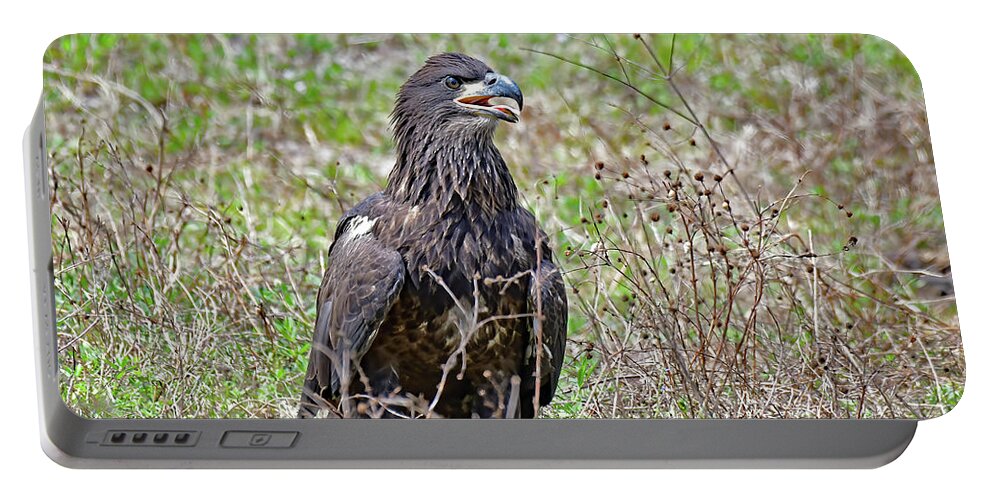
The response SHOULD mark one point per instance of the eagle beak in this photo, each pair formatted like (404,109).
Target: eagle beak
(495,96)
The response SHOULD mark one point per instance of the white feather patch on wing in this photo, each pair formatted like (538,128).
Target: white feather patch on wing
(361,226)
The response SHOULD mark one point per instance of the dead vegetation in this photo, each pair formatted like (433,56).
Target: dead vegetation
(712,297)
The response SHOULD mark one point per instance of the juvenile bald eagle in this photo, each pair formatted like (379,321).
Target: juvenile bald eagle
(439,287)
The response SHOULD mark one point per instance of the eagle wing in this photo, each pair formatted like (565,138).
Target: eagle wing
(549,302)
(360,285)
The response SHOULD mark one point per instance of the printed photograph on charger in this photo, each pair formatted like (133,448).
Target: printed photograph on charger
(609,226)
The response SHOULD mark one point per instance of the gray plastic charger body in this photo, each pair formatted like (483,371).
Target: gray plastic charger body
(74,441)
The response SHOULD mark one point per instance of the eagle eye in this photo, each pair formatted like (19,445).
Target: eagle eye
(452,82)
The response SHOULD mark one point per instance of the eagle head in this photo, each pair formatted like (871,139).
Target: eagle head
(456,90)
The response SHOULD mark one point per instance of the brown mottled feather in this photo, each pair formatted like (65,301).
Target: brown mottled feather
(359,287)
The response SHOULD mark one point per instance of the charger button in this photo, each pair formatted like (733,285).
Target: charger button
(260,439)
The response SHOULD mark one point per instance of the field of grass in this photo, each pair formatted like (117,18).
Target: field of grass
(749,225)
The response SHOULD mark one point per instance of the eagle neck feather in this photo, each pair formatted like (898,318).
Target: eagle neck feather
(457,166)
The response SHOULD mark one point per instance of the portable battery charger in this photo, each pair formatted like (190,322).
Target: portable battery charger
(486,251)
